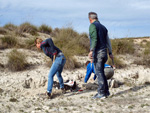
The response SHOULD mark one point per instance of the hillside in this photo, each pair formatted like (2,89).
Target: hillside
(19,87)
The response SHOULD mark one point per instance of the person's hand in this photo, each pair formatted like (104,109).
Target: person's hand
(91,55)
(111,56)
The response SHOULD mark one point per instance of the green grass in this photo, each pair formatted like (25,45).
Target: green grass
(17,61)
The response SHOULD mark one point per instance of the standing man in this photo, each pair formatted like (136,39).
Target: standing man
(99,43)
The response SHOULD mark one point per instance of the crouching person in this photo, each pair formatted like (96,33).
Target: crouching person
(108,70)
(58,58)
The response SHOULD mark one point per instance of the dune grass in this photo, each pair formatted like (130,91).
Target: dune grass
(3,31)
(9,41)
(28,28)
(122,46)
(10,27)
(71,43)
(17,61)
(45,29)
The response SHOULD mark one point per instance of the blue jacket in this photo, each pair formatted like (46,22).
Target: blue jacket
(90,70)
(49,48)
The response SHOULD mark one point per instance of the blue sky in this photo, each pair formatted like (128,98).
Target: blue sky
(123,18)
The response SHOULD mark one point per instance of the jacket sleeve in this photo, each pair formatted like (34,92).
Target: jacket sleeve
(93,36)
(88,74)
(108,44)
(51,44)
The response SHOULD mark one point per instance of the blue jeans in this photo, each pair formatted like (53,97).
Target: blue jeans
(100,58)
(56,68)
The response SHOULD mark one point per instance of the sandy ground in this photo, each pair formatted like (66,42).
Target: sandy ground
(19,90)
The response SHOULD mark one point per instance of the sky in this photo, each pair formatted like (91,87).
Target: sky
(122,18)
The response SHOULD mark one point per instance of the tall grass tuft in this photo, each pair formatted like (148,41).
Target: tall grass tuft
(122,46)
(9,41)
(10,27)
(17,61)
(71,43)
(45,29)
(3,31)
(28,28)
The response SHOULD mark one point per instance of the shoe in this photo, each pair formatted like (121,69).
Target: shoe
(49,96)
(99,96)
(63,91)
(107,94)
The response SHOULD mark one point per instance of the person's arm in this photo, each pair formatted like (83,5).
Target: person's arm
(93,39)
(108,44)
(93,36)
(88,74)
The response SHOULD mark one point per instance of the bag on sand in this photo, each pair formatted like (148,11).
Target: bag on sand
(70,85)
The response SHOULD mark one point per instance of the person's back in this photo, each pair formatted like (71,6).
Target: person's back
(101,36)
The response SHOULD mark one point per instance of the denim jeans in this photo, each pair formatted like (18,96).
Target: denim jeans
(56,68)
(100,58)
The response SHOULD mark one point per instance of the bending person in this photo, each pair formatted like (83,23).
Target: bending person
(58,59)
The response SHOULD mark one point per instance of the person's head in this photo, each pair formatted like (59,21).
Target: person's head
(38,42)
(92,17)
(87,62)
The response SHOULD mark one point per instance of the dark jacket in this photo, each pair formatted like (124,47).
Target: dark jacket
(101,36)
(49,48)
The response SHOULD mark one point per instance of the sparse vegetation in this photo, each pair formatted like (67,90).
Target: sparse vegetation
(16,61)
(10,27)
(13,100)
(30,43)
(71,43)
(122,46)
(45,29)
(3,31)
(9,41)
(28,28)
(118,63)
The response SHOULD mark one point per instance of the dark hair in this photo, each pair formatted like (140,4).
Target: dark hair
(87,62)
(93,15)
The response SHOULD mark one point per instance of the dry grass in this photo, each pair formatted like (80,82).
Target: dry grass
(27,28)
(122,46)
(71,43)
(8,41)
(16,61)
(118,63)
(10,27)
(29,44)
(145,56)
(45,29)
(3,31)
